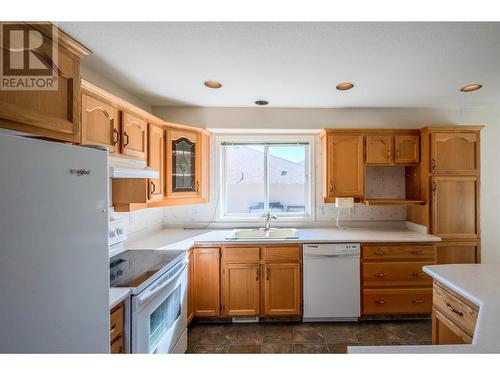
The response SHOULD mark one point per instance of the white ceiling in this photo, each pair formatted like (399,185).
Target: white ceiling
(298,64)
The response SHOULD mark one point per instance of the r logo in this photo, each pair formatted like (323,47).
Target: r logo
(29,57)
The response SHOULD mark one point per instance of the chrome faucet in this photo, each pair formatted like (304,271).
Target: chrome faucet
(268,217)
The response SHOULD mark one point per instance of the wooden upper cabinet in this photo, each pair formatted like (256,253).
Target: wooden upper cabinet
(455,153)
(183,161)
(48,113)
(206,281)
(379,149)
(407,149)
(100,125)
(241,289)
(282,289)
(344,166)
(455,206)
(134,136)
(392,149)
(156,158)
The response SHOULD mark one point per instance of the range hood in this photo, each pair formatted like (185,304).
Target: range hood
(129,168)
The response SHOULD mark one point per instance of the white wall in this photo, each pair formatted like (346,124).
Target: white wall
(312,118)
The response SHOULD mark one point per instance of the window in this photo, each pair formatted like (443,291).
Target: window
(258,177)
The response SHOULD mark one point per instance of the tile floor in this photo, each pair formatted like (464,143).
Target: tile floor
(304,337)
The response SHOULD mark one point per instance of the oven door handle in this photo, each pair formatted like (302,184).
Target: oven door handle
(160,287)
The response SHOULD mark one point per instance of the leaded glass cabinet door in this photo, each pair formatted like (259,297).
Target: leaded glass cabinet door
(183,162)
(182,159)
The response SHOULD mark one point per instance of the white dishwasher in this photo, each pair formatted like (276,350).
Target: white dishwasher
(331,282)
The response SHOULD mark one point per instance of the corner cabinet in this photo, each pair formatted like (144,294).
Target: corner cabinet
(187,160)
(343,165)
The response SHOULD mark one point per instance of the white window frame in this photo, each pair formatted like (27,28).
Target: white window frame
(268,139)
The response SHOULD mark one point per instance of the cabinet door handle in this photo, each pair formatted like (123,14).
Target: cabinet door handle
(197,186)
(127,141)
(434,164)
(398,153)
(116,136)
(257,274)
(388,154)
(379,274)
(434,187)
(268,271)
(379,252)
(418,274)
(417,252)
(331,187)
(380,302)
(418,300)
(153,187)
(452,309)
(112,329)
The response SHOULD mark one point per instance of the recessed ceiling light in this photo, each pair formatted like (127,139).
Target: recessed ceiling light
(470,88)
(344,86)
(261,102)
(213,84)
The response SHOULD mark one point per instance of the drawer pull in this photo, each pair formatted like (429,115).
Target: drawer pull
(379,252)
(113,328)
(452,309)
(418,274)
(417,252)
(379,274)
(380,302)
(418,300)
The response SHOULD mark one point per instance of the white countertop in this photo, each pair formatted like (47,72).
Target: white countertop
(479,284)
(179,239)
(116,295)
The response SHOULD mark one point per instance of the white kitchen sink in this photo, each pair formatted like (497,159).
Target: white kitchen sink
(273,233)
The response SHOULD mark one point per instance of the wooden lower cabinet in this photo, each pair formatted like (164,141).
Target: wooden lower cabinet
(206,281)
(282,289)
(255,280)
(241,289)
(453,317)
(190,301)
(116,329)
(393,281)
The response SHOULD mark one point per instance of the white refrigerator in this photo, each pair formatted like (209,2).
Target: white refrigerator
(54,266)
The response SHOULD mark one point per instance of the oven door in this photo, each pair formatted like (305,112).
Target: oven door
(159,313)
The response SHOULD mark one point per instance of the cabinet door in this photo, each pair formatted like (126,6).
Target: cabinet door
(455,206)
(379,149)
(451,252)
(134,136)
(407,149)
(455,153)
(282,289)
(345,170)
(183,163)
(156,157)
(99,123)
(241,289)
(190,302)
(207,281)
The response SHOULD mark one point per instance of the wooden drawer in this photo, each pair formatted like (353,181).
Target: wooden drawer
(281,253)
(396,301)
(459,311)
(398,252)
(395,274)
(240,254)
(117,346)
(116,322)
